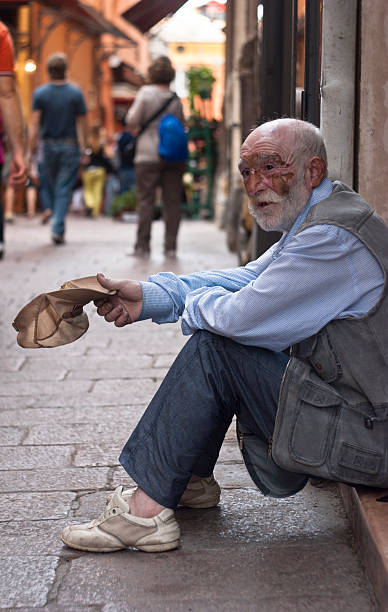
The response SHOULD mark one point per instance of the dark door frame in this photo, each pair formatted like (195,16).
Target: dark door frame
(278,72)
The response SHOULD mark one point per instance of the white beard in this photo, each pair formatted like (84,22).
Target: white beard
(281,214)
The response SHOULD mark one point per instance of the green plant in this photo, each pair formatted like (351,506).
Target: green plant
(201,81)
(123,202)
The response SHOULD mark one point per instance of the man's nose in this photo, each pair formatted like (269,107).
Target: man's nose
(255,183)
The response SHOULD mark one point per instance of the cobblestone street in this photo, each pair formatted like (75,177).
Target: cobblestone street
(66,413)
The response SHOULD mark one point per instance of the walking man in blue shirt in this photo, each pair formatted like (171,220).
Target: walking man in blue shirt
(282,343)
(59,119)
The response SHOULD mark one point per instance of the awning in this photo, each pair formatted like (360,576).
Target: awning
(92,19)
(146,13)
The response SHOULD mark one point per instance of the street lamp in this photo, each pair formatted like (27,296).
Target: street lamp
(30,66)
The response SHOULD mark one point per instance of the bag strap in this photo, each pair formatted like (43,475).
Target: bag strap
(155,115)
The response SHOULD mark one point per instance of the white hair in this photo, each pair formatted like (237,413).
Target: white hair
(307,138)
(309,142)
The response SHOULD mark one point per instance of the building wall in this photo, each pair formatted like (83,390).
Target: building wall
(49,36)
(89,55)
(134,53)
(373,124)
(196,54)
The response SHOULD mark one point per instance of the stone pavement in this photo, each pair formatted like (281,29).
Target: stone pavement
(65,414)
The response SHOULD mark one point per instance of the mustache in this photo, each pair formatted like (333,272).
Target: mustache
(266,196)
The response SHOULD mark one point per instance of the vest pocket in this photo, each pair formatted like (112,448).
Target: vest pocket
(359,453)
(315,418)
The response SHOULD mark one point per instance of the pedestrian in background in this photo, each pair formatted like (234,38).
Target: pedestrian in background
(150,170)
(37,173)
(12,118)
(97,166)
(59,117)
(127,168)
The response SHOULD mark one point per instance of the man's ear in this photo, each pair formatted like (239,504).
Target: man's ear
(315,171)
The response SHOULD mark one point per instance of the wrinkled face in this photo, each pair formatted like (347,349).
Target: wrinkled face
(273,179)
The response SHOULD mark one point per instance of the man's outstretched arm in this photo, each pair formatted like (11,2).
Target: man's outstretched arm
(162,298)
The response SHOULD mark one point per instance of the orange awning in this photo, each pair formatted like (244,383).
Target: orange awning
(146,13)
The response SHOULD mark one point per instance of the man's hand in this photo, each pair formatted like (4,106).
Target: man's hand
(125,306)
(17,170)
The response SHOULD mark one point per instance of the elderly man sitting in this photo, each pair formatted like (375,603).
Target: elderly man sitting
(282,343)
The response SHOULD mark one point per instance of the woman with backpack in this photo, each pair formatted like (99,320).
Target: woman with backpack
(154,112)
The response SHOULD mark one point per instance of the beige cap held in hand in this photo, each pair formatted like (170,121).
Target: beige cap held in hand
(56,318)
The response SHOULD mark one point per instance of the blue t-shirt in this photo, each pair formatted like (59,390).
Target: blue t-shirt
(59,105)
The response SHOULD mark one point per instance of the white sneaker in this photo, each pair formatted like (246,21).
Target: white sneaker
(116,529)
(204,493)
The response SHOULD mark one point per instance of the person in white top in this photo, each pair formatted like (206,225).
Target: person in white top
(150,170)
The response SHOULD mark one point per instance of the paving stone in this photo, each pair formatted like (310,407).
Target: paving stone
(46,372)
(120,477)
(10,365)
(37,537)
(53,607)
(67,414)
(74,607)
(34,506)
(22,457)
(232,475)
(126,375)
(48,387)
(164,361)
(153,345)
(135,390)
(230,452)
(26,581)
(97,455)
(14,403)
(125,362)
(249,575)
(11,435)
(64,479)
(58,433)
(90,400)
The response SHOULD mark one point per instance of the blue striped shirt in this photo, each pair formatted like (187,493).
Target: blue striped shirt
(289,293)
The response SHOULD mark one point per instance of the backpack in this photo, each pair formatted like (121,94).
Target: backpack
(172,139)
(128,152)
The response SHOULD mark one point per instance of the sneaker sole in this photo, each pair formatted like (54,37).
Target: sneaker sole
(159,547)
(147,548)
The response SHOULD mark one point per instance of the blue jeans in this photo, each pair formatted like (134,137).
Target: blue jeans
(44,194)
(127,179)
(181,432)
(61,163)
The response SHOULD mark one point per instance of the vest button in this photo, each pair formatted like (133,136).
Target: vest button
(318,365)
